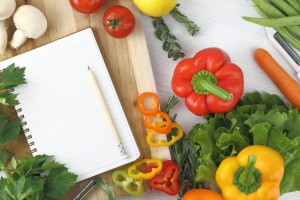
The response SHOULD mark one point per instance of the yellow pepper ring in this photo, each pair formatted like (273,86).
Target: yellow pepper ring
(134,172)
(174,138)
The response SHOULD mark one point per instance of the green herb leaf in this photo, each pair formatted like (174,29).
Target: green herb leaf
(5,156)
(9,130)
(12,76)
(3,193)
(170,43)
(8,99)
(36,165)
(24,187)
(191,26)
(58,182)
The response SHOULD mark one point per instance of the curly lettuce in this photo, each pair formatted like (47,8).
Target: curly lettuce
(263,119)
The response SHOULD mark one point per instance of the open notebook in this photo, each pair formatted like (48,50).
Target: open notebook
(61,109)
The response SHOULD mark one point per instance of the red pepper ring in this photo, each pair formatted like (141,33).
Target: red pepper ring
(157,127)
(141,107)
(167,180)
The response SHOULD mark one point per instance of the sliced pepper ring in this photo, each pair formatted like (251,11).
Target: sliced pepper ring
(141,107)
(131,186)
(174,138)
(167,180)
(159,128)
(134,172)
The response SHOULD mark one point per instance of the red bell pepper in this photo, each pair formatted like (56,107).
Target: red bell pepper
(167,180)
(209,82)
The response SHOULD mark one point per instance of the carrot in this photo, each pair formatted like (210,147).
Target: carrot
(286,84)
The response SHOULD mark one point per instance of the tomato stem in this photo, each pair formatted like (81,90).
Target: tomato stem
(204,82)
(114,23)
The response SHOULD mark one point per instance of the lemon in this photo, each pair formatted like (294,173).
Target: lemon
(155,8)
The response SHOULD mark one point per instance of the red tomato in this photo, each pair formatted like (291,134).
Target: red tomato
(86,6)
(118,21)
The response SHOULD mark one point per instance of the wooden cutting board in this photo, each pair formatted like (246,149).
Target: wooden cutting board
(127,61)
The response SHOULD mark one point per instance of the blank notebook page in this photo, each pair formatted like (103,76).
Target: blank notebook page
(61,107)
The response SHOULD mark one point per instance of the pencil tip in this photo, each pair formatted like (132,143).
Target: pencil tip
(88,67)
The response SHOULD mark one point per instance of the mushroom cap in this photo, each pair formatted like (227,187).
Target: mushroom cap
(31,21)
(7,8)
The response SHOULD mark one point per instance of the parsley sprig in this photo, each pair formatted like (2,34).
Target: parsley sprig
(24,181)
(33,178)
(11,77)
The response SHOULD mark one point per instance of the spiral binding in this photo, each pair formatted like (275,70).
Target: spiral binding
(25,128)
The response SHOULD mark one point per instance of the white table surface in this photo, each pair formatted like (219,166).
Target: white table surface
(221,26)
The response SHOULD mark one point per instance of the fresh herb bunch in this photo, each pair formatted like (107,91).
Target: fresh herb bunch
(183,153)
(163,33)
(24,181)
(23,176)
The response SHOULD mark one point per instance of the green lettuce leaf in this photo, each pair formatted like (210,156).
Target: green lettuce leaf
(262,119)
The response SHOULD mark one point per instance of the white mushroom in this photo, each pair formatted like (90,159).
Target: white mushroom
(7,8)
(30,23)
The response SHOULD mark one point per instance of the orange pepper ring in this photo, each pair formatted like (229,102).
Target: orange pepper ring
(141,105)
(156,126)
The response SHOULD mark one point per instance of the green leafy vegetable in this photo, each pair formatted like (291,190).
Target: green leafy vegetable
(24,188)
(8,99)
(58,182)
(9,130)
(11,77)
(257,119)
(24,179)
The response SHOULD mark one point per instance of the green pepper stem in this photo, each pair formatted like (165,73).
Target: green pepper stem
(204,82)
(247,177)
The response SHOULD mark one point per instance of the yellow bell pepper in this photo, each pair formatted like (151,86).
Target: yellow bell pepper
(158,143)
(134,172)
(254,174)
